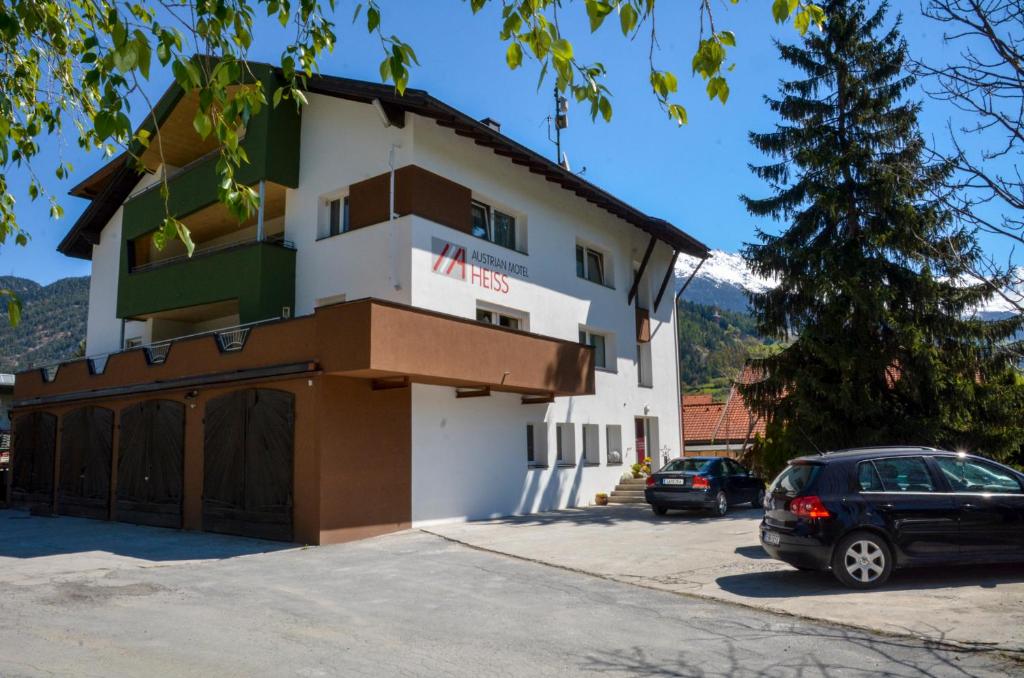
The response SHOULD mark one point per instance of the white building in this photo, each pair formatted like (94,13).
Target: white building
(384,221)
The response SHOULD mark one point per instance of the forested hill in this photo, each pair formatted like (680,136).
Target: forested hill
(714,344)
(52,324)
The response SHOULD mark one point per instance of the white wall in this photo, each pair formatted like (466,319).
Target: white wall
(343,143)
(103,330)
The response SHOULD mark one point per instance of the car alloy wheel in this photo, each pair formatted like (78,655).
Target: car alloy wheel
(864,561)
(721,504)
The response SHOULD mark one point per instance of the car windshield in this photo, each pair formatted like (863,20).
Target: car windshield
(794,479)
(687,465)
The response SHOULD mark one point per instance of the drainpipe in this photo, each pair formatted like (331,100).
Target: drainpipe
(396,280)
(259,213)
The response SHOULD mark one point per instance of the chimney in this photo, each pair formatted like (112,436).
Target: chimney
(492,123)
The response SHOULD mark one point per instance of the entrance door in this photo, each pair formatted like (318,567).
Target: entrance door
(642,439)
(150,463)
(35,441)
(247,465)
(86,449)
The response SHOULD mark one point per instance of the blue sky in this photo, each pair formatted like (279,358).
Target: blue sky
(690,175)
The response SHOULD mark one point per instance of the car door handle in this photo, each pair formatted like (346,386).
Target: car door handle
(887,506)
(968,506)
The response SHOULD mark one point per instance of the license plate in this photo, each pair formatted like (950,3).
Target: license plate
(771,538)
(673,481)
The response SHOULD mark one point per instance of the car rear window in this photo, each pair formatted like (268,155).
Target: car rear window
(687,465)
(795,478)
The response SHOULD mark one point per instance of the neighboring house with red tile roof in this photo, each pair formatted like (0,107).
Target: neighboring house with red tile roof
(720,428)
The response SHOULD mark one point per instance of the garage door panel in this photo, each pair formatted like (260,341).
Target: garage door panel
(150,464)
(247,467)
(86,454)
(32,459)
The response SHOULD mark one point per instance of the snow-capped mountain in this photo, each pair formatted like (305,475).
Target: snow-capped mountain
(724,280)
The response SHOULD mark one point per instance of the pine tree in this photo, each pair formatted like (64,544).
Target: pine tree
(871,270)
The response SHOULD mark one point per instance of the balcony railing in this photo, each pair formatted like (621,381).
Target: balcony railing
(201,251)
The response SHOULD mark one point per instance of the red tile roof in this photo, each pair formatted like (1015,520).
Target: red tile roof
(705,421)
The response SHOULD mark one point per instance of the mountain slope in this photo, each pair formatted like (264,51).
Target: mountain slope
(53,319)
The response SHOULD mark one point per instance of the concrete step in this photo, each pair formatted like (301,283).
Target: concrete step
(633,481)
(614,499)
(629,488)
(627,493)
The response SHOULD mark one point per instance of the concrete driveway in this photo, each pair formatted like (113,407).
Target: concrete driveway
(721,559)
(89,598)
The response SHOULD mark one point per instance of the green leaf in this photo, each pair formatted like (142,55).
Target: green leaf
(202,124)
(514,56)
(562,49)
(13,308)
(727,38)
(372,19)
(628,18)
(185,236)
(780,10)
(605,106)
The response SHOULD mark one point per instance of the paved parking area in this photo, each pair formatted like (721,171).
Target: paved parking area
(721,559)
(88,598)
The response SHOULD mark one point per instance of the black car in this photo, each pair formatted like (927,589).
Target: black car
(863,512)
(713,483)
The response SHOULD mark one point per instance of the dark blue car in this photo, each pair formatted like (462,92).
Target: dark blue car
(711,483)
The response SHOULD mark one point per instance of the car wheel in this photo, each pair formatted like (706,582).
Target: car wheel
(659,510)
(862,560)
(758,501)
(721,504)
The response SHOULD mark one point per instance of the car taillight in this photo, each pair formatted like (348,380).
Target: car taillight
(650,481)
(808,507)
(701,483)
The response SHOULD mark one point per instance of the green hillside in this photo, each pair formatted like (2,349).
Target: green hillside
(52,324)
(714,345)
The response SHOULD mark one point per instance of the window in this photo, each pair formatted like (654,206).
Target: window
(600,344)
(795,479)
(334,218)
(536,444)
(493,225)
(644,368)
(732,468)
(486,315)
(591,444)
(613,433)
(590,266)
(867,477)
(531,453)
(565,444)
(969,475)
(904,474)
(691,465)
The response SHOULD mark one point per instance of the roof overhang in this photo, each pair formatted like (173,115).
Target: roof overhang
(109,186)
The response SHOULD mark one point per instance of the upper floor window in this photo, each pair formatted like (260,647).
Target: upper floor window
(334,218)
(493,225)
(600,344)
(590,265)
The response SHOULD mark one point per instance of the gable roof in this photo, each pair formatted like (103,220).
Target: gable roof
(705,421)
(103,185)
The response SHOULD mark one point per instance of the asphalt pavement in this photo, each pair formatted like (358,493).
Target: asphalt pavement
(84,598)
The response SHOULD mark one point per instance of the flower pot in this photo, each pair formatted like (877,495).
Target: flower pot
(601,499)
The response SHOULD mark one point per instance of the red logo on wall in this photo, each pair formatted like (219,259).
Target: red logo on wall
(450,261)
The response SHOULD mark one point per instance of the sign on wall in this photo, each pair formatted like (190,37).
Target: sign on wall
(471,265)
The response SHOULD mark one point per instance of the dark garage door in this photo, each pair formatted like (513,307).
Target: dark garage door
(86,450)
(247,464)
(150,463)
(35,441)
